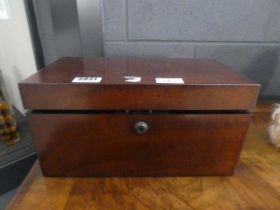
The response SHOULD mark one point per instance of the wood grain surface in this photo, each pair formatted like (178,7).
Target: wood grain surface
(255,185)
(208,85)
(101,144)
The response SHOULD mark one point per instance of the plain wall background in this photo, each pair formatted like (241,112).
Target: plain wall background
(244,34)
(58,28)
(16,53)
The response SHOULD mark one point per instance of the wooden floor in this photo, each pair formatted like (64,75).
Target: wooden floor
(255,185)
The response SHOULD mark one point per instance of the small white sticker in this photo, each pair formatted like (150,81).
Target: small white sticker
(170,80)
(87,79)
(132,79)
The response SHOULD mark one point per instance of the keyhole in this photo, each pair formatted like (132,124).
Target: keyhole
(141,127)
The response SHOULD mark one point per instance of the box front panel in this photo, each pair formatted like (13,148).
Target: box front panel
(88,144)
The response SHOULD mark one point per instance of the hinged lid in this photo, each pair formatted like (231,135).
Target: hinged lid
(138,84)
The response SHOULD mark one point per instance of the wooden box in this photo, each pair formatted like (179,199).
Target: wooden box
(138,117)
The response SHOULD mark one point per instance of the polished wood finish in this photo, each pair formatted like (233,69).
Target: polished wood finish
(107,144)
(255,185)
(209,85)
(196,128)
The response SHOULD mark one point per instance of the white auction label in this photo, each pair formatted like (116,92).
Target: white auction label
(169,80)
(132,79)
(87,79)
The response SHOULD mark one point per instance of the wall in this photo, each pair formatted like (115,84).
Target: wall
(16,53)
(58,27)
(243,34)
(69,28)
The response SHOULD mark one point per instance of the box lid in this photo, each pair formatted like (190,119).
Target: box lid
(138,84)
